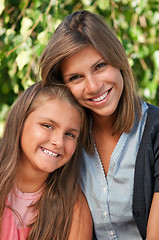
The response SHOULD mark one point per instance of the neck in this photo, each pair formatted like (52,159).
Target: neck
(29,181)
(104,124)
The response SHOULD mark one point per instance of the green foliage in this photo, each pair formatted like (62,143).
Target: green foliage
(26,26)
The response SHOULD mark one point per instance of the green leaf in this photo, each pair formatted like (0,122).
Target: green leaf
(103,4)
(156,58)
(2,6)
(22,59)
(25,26)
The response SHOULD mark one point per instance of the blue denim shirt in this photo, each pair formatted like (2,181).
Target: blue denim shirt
(110,197)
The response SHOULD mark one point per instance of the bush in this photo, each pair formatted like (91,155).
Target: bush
(26,26)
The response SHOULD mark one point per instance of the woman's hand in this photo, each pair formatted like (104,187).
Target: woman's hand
(153,221)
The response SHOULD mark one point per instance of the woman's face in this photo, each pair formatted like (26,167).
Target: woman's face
(94,83)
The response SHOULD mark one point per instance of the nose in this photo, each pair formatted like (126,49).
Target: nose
(92,84)
(57,139)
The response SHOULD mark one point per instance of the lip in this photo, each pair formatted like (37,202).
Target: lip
(101,97)
(50,153)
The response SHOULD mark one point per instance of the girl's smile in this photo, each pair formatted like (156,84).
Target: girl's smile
(50,153)
(95,84)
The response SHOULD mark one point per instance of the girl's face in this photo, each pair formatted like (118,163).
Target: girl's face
(49,137)
(95,84)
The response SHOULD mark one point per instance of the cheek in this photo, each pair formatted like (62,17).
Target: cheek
(24,136)
(31,136)
(71,147)
(77,90)
(119,80)
(25,142)
(121,83)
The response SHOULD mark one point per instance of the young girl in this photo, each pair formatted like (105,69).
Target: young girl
(121,176)
(39,180)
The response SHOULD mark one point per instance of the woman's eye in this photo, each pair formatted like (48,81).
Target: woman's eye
(70,134)
(100,65)
(73,78)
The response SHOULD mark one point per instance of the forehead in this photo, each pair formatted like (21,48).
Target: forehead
(87,54)
(57,110)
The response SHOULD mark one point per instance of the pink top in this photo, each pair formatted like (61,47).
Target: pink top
(12,227)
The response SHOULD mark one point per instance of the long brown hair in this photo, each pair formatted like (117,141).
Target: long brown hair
(83,28)
(55,207)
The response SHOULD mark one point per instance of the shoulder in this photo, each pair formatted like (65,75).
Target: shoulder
(82,224)
(153,112)
(152,122)
(149,145)
(150,138)
(153,109)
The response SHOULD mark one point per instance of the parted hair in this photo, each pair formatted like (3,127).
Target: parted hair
(61,189)
(83,28)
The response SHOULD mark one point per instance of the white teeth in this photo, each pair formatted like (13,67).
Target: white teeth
(100,98)
(50,153)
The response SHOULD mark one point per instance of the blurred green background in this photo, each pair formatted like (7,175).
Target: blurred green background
(26,26)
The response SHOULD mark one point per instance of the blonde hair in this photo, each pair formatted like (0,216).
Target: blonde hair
(78,30)
(55,207)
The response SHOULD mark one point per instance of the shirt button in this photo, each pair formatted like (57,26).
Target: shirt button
(105,214)
(104,190)
(111,233)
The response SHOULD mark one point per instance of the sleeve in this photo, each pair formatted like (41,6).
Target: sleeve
(156,156)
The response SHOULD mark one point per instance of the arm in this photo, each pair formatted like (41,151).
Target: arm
(153,221)
(82,226)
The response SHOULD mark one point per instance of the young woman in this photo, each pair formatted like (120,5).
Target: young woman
(121,176)
(39,180)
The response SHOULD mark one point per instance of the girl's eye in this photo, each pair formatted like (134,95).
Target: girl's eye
(100,65)
(47,126)
(74,78)
(70,135)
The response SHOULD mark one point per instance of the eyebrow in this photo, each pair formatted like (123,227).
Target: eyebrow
(56,124)
(73,74)
(97,62)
